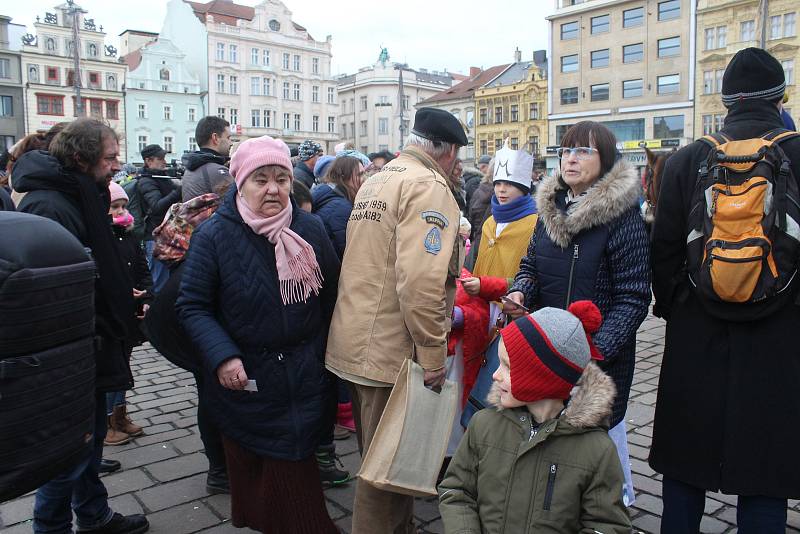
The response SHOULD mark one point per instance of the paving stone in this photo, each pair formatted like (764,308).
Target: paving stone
(173,493)
(148,438)
(638,466)
(138,399)
(639,414)
(125,505)
(16,511)
(180,467)
(189,444)
(177,407)
(226,528)
(126,480)
(649,503)
(19,528)
(182,519)
(186,421)
(143,455)
(165,418)
(220,505)
(647,523)
(645,484)
(152,389)
(142,414)
(638,439)
(158,402)
(709,525)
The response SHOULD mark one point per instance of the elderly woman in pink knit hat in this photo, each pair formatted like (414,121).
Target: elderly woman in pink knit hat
(256,298)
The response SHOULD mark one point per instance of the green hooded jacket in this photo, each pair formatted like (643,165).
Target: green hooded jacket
(562,477)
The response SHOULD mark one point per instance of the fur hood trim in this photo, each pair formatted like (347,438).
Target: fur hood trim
(590,403)
(611,196)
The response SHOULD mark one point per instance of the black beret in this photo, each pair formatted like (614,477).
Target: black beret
(153,151)
(752,73)
(439,126)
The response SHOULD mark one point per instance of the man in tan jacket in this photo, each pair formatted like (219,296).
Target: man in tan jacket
(396,291)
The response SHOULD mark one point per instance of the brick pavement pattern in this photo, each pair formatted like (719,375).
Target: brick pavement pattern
(163,471)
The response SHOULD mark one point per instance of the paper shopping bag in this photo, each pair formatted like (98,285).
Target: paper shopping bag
(407,450)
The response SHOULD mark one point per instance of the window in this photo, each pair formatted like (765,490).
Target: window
(600,24)
(482,116)
(71,78)
(315,123)
(514,143)
(5,68)
(315,93)
(112,110)
(220,52)
(234,113)
(788,71)
(255,85)
(498,144)
(671,9)
(633,17)
(363,128)
(708,82)
(569,63)
(296,63)
(484,147)
(344,130)
(669,47)
(142,111)
(269,87)
(233,53)
(287,119)
(632,88)
(192,144)
(533,111)
(747,30)
(254,56)
(363,101)
(315,66)
(600,58)
(255,118)
(599,92)
(712,123)
(267,118)
(220,83)
(274,25)
(669,84)
(668,127)
(383,100)
(533,144)
(718,74)
(163,74)
(296,91)
(50,105)
(569,30)
(234,85)
(6,106)
(569,95)
(296,121)
(165,88)
(286,90)
(632,53)
(498,114)
(285,62)
(265,57)
(775,27)
(331,95)
(626,130)
(142,139)
(331,124)
(191,114)
(221,113)
(95,107)
(789,25)
(722,36)
(168,144)
(514,113)
(53,75)
(167,113)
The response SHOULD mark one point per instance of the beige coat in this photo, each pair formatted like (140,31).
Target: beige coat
(397,284)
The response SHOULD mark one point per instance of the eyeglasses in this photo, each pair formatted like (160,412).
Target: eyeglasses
(581,152)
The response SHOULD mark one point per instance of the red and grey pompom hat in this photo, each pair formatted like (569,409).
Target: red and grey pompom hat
(549,350)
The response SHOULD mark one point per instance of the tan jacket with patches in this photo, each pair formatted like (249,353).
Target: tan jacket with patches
(397,286)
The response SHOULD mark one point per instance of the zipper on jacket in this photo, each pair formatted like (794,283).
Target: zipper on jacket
(571,274)
(551,482)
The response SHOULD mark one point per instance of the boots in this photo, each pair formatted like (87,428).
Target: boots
(124,423)
(327,460)
(344,416)
(217,480)
(114,436)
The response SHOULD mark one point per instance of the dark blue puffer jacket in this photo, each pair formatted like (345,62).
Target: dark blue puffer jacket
(230,306)
(334,210)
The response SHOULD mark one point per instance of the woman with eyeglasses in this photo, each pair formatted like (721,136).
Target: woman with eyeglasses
(590,243)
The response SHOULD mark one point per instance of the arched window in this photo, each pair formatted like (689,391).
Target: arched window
(163,74)
(274,25)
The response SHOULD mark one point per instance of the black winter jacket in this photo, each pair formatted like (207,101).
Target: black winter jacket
(205,173)
(594,250)
(158,194)
(230,306)
(334,209)
(304,174)
(727,416)
(132,254)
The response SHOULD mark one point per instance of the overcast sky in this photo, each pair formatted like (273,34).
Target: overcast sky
(448,34)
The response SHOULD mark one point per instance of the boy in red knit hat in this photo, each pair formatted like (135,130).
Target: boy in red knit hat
(542,461)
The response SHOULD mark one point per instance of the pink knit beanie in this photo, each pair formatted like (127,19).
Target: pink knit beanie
(257,152)
(117,192)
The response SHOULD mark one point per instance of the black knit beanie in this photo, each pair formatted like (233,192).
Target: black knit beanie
(752,73)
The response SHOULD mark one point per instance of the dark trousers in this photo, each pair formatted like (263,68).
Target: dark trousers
(79,489)
(684,504)
(209,432)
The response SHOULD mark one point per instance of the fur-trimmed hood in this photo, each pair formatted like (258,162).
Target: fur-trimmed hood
(590,404)
(611,196)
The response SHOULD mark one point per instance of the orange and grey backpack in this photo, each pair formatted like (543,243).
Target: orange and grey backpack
(744,227)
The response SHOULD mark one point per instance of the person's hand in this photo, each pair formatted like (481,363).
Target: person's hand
(137,294)
(514,308)
(472,285)
(435,379)
(231,374)
(144,311)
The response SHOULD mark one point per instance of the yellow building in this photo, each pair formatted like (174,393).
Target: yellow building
(726,26)
(514,105)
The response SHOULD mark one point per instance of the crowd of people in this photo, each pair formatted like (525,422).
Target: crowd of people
(294,286)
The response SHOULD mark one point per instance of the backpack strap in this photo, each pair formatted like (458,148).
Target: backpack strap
(779,135)
(715,139)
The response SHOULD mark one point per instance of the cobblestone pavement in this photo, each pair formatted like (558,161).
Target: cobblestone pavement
(163,471)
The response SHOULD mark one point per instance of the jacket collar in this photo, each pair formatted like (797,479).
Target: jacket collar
(754,111)
(228,209)
(428,162)
(611,196)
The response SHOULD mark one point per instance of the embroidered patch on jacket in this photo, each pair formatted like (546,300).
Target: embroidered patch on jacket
(434,217)
(433,241)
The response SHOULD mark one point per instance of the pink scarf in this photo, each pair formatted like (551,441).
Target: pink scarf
(298,271)
(125,220)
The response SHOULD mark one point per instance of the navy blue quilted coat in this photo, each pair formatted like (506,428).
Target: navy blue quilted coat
(334,210)
(596,250)
(230,306)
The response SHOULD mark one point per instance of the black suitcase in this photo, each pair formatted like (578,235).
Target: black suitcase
(46,351)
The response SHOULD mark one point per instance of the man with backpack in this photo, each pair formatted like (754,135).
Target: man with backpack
(205,169)
(726,242)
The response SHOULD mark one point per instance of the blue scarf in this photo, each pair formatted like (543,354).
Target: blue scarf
(513,211)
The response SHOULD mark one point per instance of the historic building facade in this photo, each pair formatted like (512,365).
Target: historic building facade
(49,76)
(12,119)
(726,26)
